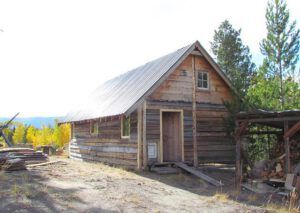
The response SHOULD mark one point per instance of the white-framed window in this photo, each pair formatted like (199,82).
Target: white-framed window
(125,127)
(94,127)
(203,80)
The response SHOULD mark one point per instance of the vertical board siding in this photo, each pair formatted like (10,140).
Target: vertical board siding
(214,145)
(153,129)
(188,135)
(107,146)
(178,86)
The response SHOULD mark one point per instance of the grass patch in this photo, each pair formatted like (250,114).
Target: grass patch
(223,197)
(280,209)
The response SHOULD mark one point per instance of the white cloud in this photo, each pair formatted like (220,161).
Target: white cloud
(54,52)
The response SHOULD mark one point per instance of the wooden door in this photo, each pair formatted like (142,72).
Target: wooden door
(171,135)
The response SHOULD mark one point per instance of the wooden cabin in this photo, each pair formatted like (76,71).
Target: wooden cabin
(167,110)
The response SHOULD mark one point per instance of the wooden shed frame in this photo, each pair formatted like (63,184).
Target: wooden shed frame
(288,121)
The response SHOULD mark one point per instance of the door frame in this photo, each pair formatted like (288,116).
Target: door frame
(161,151)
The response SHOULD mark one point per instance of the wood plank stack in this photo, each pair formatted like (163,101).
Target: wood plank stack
(12,159)
(14,165)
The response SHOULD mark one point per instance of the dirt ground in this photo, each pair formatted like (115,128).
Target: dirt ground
(74,186)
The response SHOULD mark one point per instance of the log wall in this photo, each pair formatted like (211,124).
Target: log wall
(107,146)
(178,86)
(214,146)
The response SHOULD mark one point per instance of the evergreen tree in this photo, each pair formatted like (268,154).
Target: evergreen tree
(280,47)
(233,56)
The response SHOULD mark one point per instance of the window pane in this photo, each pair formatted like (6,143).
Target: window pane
(199,83)
(204,76)
(205,84)
(199,75)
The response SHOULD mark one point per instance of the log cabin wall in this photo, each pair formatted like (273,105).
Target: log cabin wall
(107,146)
(214,146)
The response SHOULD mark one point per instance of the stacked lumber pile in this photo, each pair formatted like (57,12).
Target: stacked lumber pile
(28,155)
(12,159)
(14,165)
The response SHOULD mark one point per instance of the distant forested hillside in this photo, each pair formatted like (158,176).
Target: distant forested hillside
(37,122)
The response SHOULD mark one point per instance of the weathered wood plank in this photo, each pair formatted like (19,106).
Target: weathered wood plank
(199,174)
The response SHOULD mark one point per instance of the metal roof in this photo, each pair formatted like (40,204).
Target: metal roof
(119,95)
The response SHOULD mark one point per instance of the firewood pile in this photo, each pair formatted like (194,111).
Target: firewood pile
(274,169)
(267,169)
(294,150)
(12,159)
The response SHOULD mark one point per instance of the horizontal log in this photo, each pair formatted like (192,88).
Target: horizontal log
(118,162)
(106,148)
(117,155)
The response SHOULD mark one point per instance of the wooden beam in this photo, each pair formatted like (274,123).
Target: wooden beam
(240,129)
(194,113)
(145,156)
(291,131)
(262,120)
(199,174)
(140,137)
(263,133)
(287,148)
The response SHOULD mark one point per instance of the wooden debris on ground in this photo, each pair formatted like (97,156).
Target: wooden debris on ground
(14,165)
(27,154)
(259,187)
(46,163)
(12,159)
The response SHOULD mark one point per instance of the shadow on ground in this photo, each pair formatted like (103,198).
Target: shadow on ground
(26,191)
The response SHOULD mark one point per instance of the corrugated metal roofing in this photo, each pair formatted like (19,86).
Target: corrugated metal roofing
(119,94)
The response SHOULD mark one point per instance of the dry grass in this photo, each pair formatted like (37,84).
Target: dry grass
(252,198)
(219,197)
(280,209)
(223,197)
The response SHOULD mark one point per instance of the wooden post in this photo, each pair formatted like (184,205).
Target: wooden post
(140,137)
(238,158)
(194,109)
(145,156)
(287,148)
(240,129)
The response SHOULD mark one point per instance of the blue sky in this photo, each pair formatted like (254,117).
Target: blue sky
(54,53)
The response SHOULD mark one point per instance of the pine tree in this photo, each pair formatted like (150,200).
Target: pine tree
(233,56)
(281,46)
